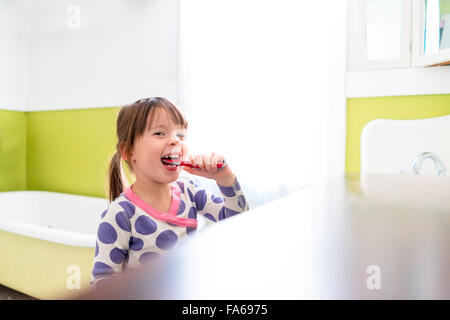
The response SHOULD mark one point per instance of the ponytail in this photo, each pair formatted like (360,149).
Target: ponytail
(117,179)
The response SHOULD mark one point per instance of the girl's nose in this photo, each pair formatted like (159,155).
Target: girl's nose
(174,139)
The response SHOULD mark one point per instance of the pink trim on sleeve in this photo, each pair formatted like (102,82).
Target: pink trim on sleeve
(171,216)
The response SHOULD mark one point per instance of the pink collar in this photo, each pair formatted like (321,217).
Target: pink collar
(171,216)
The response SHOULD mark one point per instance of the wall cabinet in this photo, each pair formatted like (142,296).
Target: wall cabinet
(387,34)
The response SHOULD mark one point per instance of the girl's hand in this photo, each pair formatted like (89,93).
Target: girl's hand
(208,168)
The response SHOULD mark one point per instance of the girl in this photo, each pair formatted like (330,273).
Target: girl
(149,217)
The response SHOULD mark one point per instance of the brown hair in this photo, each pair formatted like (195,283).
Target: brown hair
(131,124)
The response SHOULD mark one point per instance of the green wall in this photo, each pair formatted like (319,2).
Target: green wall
(12,150)
(444,7)
(362,110)
(63,151)
(69,150)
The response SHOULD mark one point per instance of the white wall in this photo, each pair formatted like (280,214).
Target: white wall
(15,19)
(122,51)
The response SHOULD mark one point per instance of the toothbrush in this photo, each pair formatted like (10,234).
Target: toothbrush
(220,164)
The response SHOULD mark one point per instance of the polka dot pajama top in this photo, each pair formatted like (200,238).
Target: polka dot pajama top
(131,231)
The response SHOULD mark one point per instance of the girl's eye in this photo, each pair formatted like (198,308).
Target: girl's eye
(161,133)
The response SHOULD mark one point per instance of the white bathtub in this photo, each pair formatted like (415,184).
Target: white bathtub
(46,238)
(58,217)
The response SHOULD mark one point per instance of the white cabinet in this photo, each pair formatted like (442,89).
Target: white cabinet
(398,33)
(379,34)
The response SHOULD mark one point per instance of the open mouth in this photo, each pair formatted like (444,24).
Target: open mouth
(171,160)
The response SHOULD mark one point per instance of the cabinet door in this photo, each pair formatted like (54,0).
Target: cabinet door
(431,32)
(379,34)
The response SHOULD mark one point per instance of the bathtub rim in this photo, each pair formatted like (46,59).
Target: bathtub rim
(35,231)
(61,236)
(48,234)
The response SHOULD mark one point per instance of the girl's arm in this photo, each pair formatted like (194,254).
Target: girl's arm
(231,202)
(215,208)
(112,243)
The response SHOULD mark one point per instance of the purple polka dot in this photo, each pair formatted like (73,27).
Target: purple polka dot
(166,240)
(96,249)
(101,268)
(181,207)
(148,256)
(227,191)
(144,225)
(135,244)
(129,208)
(118,255)
(200,199)
(192,213)
(192,182)
(237,185)
(181,185)
(191,196)
(209,216)
(104,212)
(222,214)
(216,199)
(123,222)
(106,233)
(190,230)
(241,202)
(230,213)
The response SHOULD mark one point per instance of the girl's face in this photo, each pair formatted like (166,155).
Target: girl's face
(160,139)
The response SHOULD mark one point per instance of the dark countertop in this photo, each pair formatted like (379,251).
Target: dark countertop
(369,236)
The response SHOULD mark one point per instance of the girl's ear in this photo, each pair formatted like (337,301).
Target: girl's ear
(123,149)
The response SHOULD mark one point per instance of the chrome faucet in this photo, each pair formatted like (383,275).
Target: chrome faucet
(417,164)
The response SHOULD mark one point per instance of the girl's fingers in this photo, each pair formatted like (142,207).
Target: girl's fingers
(192,161)
(217,158)
(187,169)
(199,161)
(209,162)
